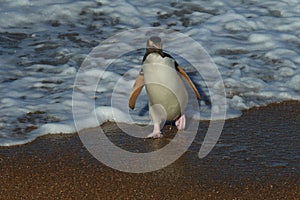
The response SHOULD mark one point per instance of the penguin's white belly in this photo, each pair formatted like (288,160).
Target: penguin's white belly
(165,89)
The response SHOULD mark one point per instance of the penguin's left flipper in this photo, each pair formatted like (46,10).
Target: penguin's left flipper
(187,78)
(136,90)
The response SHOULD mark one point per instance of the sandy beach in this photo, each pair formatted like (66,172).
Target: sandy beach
(257,157)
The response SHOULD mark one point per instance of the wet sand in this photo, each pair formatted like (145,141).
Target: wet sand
(257,157)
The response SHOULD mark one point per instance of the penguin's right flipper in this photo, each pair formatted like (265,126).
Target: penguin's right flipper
(136,90)
(187,78)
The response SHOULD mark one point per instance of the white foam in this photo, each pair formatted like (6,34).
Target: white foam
(294,83)
(55,128)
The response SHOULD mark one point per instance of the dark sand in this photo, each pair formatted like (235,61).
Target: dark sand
(257,157)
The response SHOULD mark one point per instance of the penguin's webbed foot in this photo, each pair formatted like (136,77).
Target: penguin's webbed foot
(180,122)
(156,132)
(155,135)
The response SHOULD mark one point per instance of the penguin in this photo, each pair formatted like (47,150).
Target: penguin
(162,77)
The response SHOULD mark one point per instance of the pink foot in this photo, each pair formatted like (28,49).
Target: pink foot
(156,132)
(180,122)
(154,135)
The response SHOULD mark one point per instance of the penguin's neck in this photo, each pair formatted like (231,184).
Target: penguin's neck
(153,50)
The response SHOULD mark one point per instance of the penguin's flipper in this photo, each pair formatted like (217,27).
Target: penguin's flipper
(136,90)
(187,78)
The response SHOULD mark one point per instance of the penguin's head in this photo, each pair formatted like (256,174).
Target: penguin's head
(154,43)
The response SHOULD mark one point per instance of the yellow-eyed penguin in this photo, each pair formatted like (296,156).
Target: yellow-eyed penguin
(165,89)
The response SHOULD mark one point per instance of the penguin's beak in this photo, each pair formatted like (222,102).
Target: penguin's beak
(157,45)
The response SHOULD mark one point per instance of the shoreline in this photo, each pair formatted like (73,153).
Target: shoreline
(255,158)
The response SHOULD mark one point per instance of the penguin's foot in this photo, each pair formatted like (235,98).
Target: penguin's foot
(156,132)
(154,135)
(180,122)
